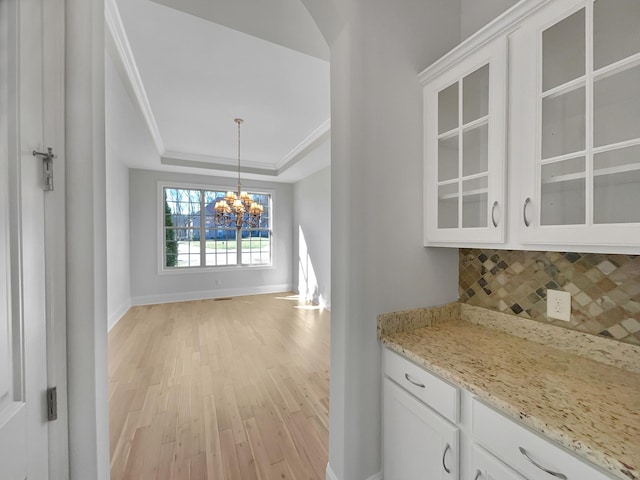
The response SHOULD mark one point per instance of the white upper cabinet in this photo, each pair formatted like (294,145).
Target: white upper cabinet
(575,133)
(561,171)
(464,158)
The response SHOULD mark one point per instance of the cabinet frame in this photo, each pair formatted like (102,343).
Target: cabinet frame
(495,55)
(526,114)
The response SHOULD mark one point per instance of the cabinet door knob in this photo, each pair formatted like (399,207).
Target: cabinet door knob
(478,475)
(444,454)
(550,472)
(524,212)
(493,213)
(421,385)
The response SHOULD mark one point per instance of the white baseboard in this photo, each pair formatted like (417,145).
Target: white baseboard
(208,294)
(332,476)
(115,317)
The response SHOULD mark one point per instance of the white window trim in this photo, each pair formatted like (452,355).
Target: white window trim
(163,270)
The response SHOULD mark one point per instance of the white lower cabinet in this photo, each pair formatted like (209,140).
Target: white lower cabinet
(418,443)
(476,443)
(526,452)
(440,396)
(485,466)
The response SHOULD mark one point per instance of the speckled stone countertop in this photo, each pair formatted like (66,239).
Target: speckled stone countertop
(590,407)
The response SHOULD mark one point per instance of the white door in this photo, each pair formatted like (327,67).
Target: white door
(23,326)
(418,443)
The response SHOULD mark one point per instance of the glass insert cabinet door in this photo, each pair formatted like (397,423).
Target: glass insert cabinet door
(578,68)
(464,118)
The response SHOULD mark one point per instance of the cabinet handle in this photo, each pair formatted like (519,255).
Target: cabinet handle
(421,385)
(444,454)
(493,213)
(555,474)
(524,212)
(478,475)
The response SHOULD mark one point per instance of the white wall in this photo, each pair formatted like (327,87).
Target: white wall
(476,14)
(86,236)
(149,286)
(378,261)
(312,237)
(126,138)
(118,284)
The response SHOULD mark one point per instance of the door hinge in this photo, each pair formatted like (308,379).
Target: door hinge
(52,404)
(47,168)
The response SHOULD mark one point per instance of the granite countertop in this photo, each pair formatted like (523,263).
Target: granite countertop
(582,391)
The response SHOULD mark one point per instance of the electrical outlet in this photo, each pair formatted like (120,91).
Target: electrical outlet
(559,305)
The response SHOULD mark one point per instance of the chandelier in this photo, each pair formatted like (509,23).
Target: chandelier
(238,209)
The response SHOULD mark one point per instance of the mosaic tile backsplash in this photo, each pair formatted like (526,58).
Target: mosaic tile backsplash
(605,289)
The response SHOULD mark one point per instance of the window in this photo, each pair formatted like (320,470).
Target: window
(193,240)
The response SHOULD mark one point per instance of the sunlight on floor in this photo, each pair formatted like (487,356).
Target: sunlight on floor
(309,307)
(293,298)
(305,304)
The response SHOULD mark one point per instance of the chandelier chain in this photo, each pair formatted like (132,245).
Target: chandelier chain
(239,121)
(238,209)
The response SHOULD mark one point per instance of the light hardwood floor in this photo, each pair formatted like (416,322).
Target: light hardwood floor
(227,389)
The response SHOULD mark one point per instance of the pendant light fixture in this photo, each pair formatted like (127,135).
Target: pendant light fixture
(238,208)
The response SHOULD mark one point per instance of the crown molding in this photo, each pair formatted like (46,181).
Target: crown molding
(502,25)
(118,37)
(307,145)
(213,160)
(209,164)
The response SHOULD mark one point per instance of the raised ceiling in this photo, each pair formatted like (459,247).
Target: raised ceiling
(196,65)
(283,22)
